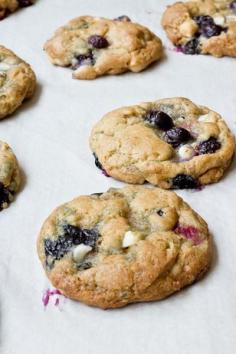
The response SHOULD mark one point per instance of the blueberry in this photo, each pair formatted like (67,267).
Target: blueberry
(98,41)
(207,26)
(191,47)
(176,136)
(160,212)
(159,119)
(183,181)
(4,195)
(123,18)
(203,20)
(208,146)
(232,5)
(97,162)
(25,3)
(72,236)
(84,59)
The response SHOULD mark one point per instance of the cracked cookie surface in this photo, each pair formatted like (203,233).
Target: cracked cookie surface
(202,26)
(94,46)
(17,82)
(126,245)
(172,143)
(9,175)
(8,6)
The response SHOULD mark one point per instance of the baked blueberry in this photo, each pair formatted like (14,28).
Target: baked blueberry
(97,162)
(159,119)
(203,20)
(207,26)
(123,18)
(98,42)
(58,248)
(233,5)
(182,181)
(177,136)
(83,59)
(191,47)
(4,195)
(160,212)
(208,146)
(25,3)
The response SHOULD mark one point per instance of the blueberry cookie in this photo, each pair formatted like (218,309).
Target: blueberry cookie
(93,46)
(8,6)
(172,143)
(202,26)
(17,82)
(9,175)
(126,245)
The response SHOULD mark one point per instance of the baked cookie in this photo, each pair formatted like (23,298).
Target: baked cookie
(8,6)
(202,26)
(17,82)
(94,46)
(172,143)
(126,245)
(9,175)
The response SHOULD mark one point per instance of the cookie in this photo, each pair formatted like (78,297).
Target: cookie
(126,245)
(202,27)
(172,143)
(17,82)
(94,46)
(9,175)
(8,6)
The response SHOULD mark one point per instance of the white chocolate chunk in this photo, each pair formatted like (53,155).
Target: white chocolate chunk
(130,238)
(80,252)
(219,20)
(4,66)
(186,152)
(204,118)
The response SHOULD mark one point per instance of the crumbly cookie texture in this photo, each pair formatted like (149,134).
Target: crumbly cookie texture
(17,82)
(172,143)
(94,46)
(202,26)
(8,6)
(9,175)
(126,245)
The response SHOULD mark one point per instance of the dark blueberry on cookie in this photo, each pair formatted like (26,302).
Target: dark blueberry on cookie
(83,59)
(160,212)
(207,26)
(97,162)
(78,235)
(233,5)
(159,119)
(25,3)
(177,136)
(183,181)
(203,20)
(191,47)
(4,195)
(98,42)
(58,248)
(123,18)
(208,146)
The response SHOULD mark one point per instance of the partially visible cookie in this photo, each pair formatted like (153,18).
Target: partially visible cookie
(172,143)
(202,26)
(17,82)
(126,245)
(9,175)
(94,46)
(8,6)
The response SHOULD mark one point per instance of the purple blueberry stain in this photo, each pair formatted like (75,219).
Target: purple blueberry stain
(159,119)
(98,42)
(208,146)
(183,181)
(48,294)
(232,5)
(176,136)
(189,232)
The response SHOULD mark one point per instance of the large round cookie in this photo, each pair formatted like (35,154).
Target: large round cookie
(202,26)
(9,175)
(94,46)
(126,245)
(17,82)
(172,143)
(8,6)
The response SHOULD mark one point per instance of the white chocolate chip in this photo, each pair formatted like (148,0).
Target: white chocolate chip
(130,238)
(186,152)
(80,252)
(219,20)
(4,66)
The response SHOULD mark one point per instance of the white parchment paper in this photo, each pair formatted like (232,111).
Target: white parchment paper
(49,135)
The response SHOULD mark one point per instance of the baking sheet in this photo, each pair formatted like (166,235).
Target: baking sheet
(49,135)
